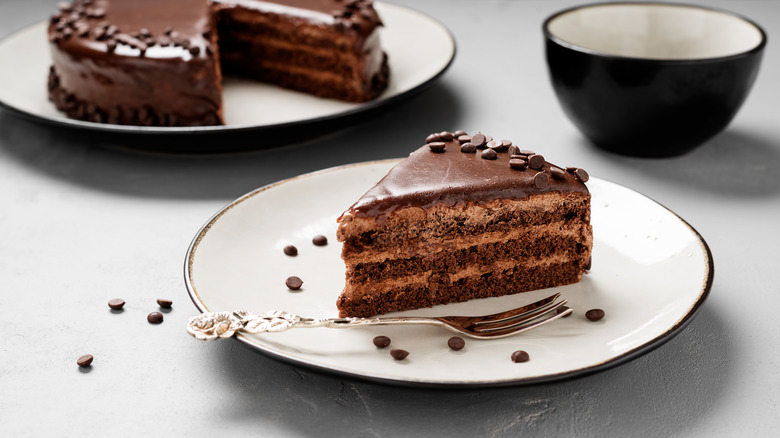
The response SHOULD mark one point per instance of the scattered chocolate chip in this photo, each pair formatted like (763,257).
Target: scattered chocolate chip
(194,50)
(541,180)
(518,163)
(526,152)
(464,138)
(514,150)
(381,341)
(557,173)
(432,138)
(459,133)
(116,303)
(291,250)
(563,309)
(594,314)
(155,317)
(294,283)
(489,154)
(520,356)
(536,161)
(506,143)
(85,360)
(479,140)
(581,175)
(437,146)
(468,148)
(399,354)
(456,343)
(165,304)
(319,240)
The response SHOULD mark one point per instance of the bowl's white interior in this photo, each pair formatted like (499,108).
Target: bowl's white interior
(656,31)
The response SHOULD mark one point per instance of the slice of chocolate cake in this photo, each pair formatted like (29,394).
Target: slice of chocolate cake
(464,217)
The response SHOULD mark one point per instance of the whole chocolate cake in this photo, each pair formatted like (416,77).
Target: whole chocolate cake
(464,217)
(160,62)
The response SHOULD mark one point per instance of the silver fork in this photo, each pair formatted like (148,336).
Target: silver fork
(214,325)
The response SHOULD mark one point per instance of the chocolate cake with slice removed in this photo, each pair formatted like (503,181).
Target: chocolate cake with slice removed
(464,217)
(157,62)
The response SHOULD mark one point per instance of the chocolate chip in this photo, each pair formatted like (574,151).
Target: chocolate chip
(464,138)
(437,146)
(319,240)
(535,161)
(557,173)
(456,343)
(446,136)
(459,133)
(431,138)
(96,13)
(594,314)
(527,152)
(399,354)
(518,163)
(489,154)
(541,180)
(165,304)
(520,356)
(291,250)
(381,341)
(194,50)
(468,148)
(85,360)
(496,144)
(293,282)
(116,304)
(506,143)
(479,140)
(155,317)
(581,175)
(563,309)
(514,150)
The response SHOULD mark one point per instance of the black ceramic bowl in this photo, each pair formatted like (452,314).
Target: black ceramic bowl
(651,79)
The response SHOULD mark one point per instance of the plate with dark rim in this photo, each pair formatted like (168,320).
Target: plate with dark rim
(651,272)
(271,115)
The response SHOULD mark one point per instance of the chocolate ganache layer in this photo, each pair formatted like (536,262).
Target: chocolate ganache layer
(460,168)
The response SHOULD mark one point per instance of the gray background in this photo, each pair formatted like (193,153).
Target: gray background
(81,223)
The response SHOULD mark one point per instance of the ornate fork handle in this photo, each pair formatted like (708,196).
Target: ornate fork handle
(215,325)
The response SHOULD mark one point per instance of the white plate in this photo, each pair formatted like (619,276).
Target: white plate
(651,272)
(407,37)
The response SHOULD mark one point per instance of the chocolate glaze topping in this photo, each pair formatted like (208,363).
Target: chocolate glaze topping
(452,176)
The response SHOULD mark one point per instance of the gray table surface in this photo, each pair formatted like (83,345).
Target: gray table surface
(82,223)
